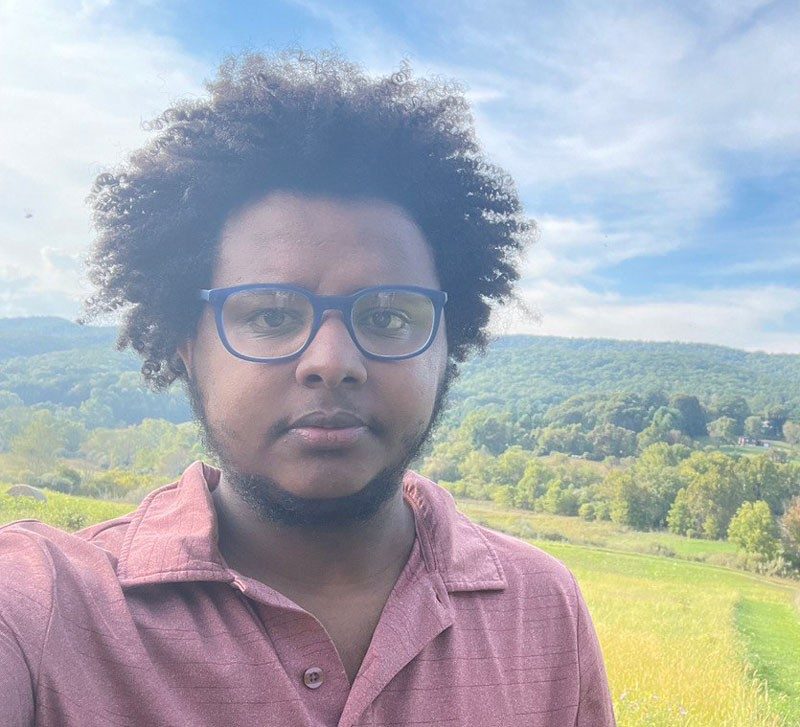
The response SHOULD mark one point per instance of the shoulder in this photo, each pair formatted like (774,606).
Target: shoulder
(521,560)
(474,558)
(27,540)
(531,576)
(36,558)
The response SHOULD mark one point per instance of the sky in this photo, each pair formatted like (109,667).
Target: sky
(657,145)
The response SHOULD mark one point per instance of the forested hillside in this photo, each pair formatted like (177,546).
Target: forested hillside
(535,372)
(52,362)
(702,440)
(29,336)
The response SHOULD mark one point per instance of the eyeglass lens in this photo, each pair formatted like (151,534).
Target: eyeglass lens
(267,323)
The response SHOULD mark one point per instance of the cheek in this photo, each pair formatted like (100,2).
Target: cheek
(236,393)
(410,394)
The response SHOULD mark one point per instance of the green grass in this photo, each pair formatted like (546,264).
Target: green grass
(771,634)
(671,638)
(603,534)
(67,512)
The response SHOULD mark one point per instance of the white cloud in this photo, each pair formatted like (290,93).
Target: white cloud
(572,248)
(767,264)
(623,124)
(749,317)
(630,107)
(73,93)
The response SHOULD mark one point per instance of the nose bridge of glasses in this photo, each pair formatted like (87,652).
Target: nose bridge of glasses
(328,308)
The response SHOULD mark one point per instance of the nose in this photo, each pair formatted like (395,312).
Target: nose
(331,358)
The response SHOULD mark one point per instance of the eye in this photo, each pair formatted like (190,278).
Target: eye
(273,318)
(274,322)
(384,319)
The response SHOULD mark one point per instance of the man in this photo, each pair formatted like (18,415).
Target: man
(311,252)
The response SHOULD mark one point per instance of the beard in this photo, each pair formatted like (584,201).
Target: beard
(273,503)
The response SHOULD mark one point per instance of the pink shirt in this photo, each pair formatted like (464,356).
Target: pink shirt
(138,621)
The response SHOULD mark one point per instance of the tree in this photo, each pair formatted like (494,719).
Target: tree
(679,519)
(40,442)
(755,531)
(532,484)
(775,417)
(560,500)
(632,501)
(723,429)
(503,496)
(629,411)
(754,427)
(510,466)
(763,479)
(608,440)
(491,429)
(443,463)
(476,471)
(569,440)
(712,493)
(692,415)
(665,427)
(735,407)
(791,432)
(790,531)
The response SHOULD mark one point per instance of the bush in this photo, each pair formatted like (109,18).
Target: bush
(586,511)
(602,511)
(660,549)
(559,500)
(56,481)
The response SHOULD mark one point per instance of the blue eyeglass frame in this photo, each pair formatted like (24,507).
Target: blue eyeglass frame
(216,297)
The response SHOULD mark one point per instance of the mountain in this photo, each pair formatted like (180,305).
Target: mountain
(548,370)
(30,336)
(58,363)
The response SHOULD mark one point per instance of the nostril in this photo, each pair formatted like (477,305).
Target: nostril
(314,379)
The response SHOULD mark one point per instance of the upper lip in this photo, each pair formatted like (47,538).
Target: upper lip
(328,420)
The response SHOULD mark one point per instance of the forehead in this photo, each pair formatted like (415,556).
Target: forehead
(327,244)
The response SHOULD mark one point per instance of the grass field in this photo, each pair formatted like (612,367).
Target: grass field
(685,643)
(602,534)
(61,511)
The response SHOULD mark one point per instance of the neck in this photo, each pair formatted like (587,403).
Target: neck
(314,560)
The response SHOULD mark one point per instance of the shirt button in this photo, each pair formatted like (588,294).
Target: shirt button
(313,677)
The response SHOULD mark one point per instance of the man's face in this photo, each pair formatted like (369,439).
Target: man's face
(329,247)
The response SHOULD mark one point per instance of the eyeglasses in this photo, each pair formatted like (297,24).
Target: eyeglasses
(265,323)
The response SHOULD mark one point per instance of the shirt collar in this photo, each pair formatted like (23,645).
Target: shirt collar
(172,536)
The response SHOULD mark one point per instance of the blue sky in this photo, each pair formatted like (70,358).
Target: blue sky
(656,144)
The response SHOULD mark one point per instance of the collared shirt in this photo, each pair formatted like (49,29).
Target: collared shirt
(138,621)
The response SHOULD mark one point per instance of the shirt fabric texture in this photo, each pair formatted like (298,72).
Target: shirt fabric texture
(138,621)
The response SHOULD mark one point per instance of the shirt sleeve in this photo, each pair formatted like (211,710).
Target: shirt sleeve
(16,692)
(26,598)
(595,708)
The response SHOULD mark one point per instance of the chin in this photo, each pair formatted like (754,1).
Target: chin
(323,499)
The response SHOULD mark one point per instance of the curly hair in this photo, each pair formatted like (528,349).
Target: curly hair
(313,124)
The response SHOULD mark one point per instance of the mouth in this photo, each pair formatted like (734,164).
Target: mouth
(328,430)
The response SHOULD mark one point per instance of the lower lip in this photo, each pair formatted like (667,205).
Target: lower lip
(323,438)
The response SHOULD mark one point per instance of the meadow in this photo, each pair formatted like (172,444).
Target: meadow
(686,642)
